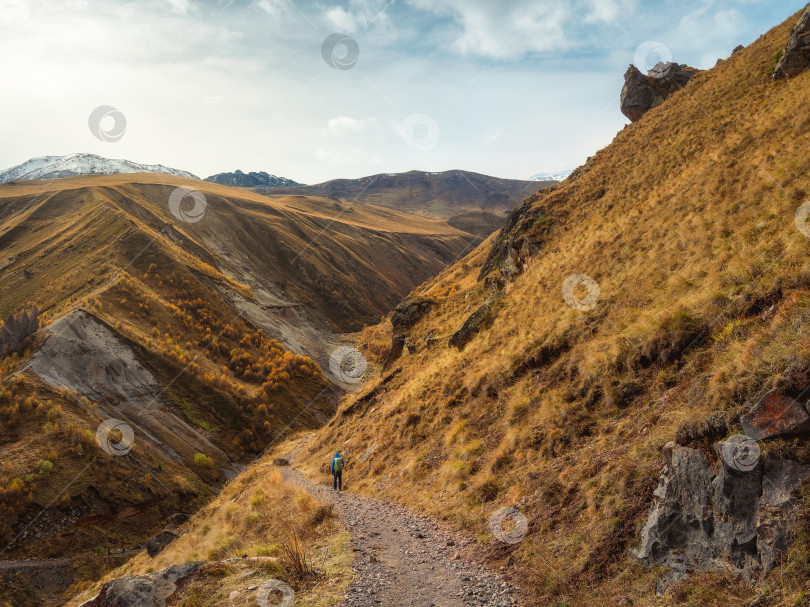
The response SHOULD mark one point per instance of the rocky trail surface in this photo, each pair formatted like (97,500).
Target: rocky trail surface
(405,559)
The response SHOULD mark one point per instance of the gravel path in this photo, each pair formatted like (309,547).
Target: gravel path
(405,559)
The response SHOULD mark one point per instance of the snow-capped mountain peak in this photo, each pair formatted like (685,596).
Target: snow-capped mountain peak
(558,176)
(55,167)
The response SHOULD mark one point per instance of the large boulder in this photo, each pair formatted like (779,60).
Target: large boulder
(796,56)
(720,516)
(641,92)
(151,590)
(409,312)
(479,319)
(775,415)
(156,543)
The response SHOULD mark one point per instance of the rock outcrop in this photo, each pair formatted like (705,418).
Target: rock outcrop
(407,313)
(151,590)
(641,93)
(16,329)
(775,415)
(156,543)
(514,248)
(480,318)
(169,533)
(796,55)
(711,515)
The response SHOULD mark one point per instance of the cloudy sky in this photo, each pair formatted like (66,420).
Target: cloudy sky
(504,87)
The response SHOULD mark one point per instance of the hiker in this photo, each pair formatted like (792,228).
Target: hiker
(337,472)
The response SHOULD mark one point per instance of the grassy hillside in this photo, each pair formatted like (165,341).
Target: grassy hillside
(686,223)
(223,313)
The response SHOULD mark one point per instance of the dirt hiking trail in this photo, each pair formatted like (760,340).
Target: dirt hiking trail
(404,559)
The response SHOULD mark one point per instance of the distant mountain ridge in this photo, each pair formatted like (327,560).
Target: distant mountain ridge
(238,179)
(443,194)
(56,167)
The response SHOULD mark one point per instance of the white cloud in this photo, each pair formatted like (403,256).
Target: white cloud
(271,7)
(346,125)
(180,6)
(504,30)
(359,15)
(342,20)
(602,11)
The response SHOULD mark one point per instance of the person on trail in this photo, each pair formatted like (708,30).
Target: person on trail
(337,472)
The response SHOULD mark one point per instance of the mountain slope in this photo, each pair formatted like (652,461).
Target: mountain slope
(697,307)
(207,324)
(433,194)
(238,179)
(56,167)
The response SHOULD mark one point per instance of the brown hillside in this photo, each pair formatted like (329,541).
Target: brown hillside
(200,336)
(686,223)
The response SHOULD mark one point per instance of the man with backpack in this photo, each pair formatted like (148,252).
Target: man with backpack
(337,472)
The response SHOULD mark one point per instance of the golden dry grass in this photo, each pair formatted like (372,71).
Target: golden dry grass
(255,515)
(686,221)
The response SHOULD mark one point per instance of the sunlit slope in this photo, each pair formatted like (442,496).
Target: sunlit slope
(686,222)
(207,330)
(299,250)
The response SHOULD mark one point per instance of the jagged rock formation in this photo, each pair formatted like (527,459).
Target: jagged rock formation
(16,329)
(151,590)
(407,313)
(796,56)
(641,93)
(517,243)
(733,511)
